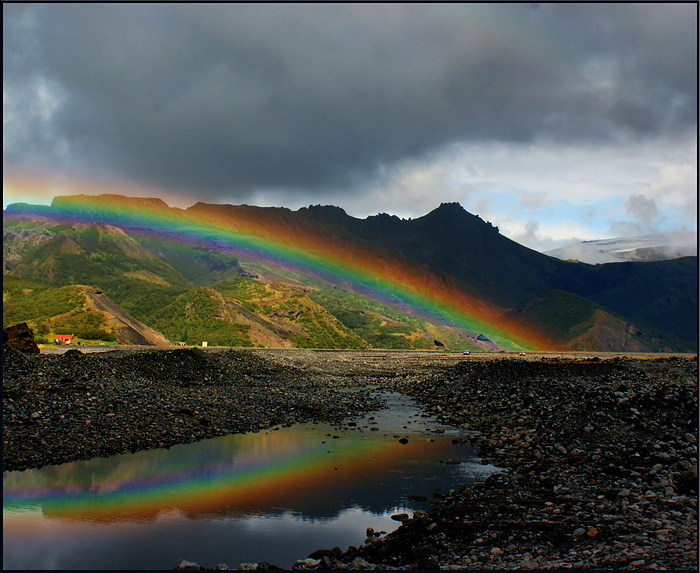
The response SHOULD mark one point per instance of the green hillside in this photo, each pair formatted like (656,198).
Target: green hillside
(49,310)
(203,291)
(96,254)
(194,316)
(197,265)
(558,310)
(579,323)
(292,310)
(379,324)
(238,312)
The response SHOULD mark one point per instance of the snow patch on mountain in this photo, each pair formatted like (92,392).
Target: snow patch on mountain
(657,247)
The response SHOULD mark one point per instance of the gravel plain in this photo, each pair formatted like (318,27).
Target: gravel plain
(600,461)
(599,451)
(64,406)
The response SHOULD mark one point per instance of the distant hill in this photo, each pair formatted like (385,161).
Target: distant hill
(155,266)
(580,324)
(657,247)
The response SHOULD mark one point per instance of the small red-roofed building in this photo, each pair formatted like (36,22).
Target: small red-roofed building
(64,338)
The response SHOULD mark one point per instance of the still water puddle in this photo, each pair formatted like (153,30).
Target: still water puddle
(272,496)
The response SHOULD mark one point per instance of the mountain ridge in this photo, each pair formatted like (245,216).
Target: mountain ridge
(448,249)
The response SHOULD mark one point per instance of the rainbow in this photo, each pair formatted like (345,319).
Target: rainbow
(230,475)
(267,234)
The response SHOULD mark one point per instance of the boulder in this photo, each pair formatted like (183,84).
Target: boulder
(359,563)
(687,482)
(321,553)
(184,564)
(21,337)
(265,566)
(307,563)
(428,564)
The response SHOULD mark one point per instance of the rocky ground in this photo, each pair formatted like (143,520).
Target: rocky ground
(601,468)
(60,407)
(600,454)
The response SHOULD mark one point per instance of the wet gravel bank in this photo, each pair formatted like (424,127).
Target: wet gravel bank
(600,456)
(600,463)
(64,407)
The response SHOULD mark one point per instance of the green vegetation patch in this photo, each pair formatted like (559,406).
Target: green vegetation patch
(49,310)
(558,311)
(379,324)
(565,316)
(197,315)
(98,255)
(293,308)
(322,333)
(250,293)
(198,265)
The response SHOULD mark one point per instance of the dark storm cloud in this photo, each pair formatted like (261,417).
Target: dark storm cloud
(229,98)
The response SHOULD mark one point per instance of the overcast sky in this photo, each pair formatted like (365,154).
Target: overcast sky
(554,122)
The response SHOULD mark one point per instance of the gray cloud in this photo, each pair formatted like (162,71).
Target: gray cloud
(643,211)
(232,98)
(530,234)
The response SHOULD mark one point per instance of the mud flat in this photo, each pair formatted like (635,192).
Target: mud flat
(599,452)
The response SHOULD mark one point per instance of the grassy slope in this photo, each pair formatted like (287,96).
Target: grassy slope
(95,255)
(49,310)
(197,315)
(197,265)
(580,324)
(307,318)
(293,309)
(130,271)
(379,324)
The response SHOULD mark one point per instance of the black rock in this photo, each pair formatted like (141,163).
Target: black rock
(429,564)
(21,337)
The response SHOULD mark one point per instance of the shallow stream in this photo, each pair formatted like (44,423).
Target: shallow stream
(272,496)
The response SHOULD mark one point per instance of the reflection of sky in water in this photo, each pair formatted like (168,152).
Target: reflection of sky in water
(273,495)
